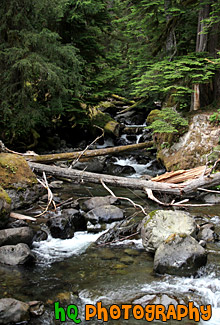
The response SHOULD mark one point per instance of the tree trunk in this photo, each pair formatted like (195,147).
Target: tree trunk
(89,153)
(171,38)
(201,46)
(182,190)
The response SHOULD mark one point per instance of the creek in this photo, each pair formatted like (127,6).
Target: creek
(75,271)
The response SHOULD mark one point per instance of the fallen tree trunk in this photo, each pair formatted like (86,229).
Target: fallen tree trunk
(82,176)
(88,153)
(187,189)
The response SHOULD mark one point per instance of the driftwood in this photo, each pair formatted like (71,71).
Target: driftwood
(181,176)
(21,216)
(187,189)
(89,153)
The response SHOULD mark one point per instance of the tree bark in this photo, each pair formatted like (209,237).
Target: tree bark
(82,176)
(188,189)
(201,46)
(89,153)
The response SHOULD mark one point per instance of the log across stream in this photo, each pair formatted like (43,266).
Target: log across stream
(187,189)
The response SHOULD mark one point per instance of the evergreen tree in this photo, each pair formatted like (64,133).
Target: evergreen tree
(38,72)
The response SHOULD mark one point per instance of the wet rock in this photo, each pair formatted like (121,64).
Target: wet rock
(104,214)
(61,227)
(13,311)
(146,136)
(5,208)
(158,299)
(36,308)
(95,165)
(212,198)
(127,260)
(207,233)
(179,256)
(14,236)
(19,254)
(125,117)
(94,228)
(120,230)
(16,223)
(114,169)
(160,224)
(77,219)
(98,201)
(17,178)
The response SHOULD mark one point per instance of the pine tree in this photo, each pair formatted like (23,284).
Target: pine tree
(38,72)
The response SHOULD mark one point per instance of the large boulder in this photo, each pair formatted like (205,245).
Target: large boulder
(14,236)
(19,254)
(104,214)
(5,208)
(15,311)
(160,224)
(98,201)
(17,178)
(179,256)
(192,147)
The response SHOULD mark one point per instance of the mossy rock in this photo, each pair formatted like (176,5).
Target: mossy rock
(15,172)
(17,178)
(5,207)
(152,115)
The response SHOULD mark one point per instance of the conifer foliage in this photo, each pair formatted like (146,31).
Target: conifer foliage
(55,54)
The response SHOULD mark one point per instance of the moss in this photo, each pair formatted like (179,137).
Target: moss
(15,172)
(151,215)
(153,115)
(4,196)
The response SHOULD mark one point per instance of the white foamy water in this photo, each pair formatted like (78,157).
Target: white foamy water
(206,288)
(107,143)
(55,249)
(140,169)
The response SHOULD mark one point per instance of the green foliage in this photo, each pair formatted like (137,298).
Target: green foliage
(215,118)
(169,121)
(38,72)
(175,77)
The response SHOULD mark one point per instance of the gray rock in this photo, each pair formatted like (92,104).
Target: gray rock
(25,196)
(179,256)
(207,234)
(104,214)
(122,229)
(212,198)
(76,219)
(61,227)
(114,169)
(92,165)
(14,236)
(94,228)
(158,299)
(13,311)
(98,201)
(16,254)
(160,224)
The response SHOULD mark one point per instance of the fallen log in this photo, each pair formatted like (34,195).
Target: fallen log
(83,176)
(89,153)
(187,189)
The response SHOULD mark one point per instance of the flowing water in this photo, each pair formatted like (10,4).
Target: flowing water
(75,271)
